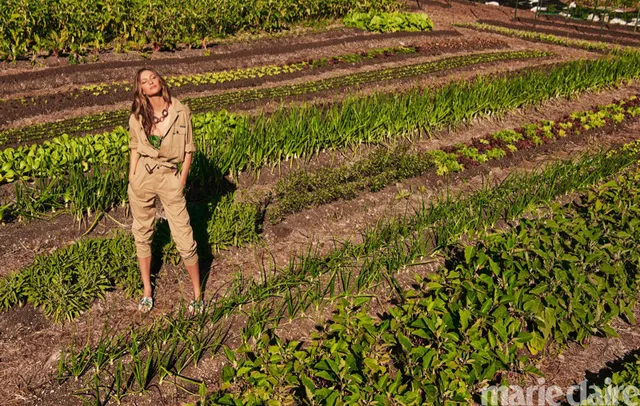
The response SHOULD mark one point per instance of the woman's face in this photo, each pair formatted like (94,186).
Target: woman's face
(150,83)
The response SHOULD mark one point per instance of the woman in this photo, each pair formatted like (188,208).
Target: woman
(162,148)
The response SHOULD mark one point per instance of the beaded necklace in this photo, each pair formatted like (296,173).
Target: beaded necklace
(156,140)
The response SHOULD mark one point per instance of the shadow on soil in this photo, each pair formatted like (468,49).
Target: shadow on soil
(599,378)
(201,204)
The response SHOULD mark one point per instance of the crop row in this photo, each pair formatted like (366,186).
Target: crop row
(493,306)
(65,283)
(312,280)
(541,37)
(303,189)
(36,27)
(71,126)
(608,31)
(230,144)
(212,78)
(223,100)
(260,71)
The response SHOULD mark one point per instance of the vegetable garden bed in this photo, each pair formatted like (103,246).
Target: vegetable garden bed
(279,131)
(237,224)
(473,318)
(11,83)
(303,189)
(560,31)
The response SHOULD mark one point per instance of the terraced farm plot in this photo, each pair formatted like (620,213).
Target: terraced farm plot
(571,31)
(402,217)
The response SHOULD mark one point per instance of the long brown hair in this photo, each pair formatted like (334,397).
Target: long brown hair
(141,106)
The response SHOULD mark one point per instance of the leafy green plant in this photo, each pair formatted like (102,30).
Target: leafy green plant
(65,283)
(388,22)
(303,189)
(619,389)
(234,224)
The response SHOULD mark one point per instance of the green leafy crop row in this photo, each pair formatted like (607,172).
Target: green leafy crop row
(35,27)
(270,70)
(388,22)
(493,306)
(70,126)
(362,78)
(65,283)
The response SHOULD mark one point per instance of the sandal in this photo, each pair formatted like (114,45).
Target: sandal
(145,305)
(196,306)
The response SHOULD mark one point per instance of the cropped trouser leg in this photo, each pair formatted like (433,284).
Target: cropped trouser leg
(143,189)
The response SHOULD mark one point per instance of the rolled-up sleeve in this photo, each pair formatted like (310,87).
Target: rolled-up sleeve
(190,146)
(133,132)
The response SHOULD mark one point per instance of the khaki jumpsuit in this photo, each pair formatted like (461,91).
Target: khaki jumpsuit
(157,174)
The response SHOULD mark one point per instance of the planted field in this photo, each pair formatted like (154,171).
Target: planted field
(586,23)
(392,207)
(573,32)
